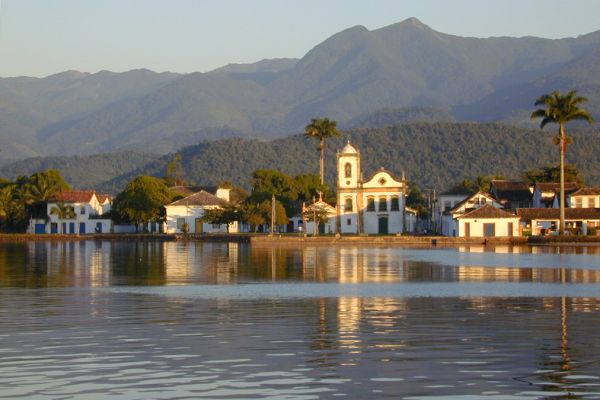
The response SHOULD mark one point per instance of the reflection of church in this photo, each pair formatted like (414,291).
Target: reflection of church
(375,205)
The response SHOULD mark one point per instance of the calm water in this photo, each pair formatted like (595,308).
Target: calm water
(102,320)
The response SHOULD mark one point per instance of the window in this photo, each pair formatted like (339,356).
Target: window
(578,202)
(348,204)
(348,221)
(395,206)
(180,222)
(447,205)
(348,170)
(216,226)
(489,230)
(82,211)
(370,203)
(382,204)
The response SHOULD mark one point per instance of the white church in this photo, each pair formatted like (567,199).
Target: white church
(372,206)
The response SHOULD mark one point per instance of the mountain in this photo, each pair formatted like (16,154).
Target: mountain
(435,155)
(390,117)
(354,73)
(31,106)
(262,66)
(89,172)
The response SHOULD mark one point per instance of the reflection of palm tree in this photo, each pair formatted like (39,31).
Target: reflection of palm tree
(63,211)
(564,336)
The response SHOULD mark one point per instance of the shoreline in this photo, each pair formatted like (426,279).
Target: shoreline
(289,239)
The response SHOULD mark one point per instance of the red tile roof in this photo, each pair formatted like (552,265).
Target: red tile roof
(527,214)
(74,196)
(587,191)
(514,191)
(200,198)
(555,186)
(488,211)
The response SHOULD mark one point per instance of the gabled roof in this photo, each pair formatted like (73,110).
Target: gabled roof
(193,189)
(506,190)
(73,196)
(527,214)
(319,204)
(555,186)
(488,211)
(385,171)
(460,204)
(200,198)
(103,197)
(587,191)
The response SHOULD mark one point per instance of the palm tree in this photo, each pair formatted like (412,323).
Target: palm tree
(560,109)
(321,129)
(63,211)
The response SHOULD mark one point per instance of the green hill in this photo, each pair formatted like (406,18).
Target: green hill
(431,154)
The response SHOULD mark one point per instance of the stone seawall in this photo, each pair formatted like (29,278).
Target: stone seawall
(382,240)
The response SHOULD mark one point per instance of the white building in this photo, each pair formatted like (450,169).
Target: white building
(450,223)
(88,208)
(488,221)
(588,197)
(444,204)
(326,227)
(190,210)
(373,206)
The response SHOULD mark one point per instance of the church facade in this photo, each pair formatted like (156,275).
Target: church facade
(372,206)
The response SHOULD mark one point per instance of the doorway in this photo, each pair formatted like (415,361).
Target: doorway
(383,226)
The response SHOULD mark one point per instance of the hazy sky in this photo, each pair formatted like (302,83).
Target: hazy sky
(42,37)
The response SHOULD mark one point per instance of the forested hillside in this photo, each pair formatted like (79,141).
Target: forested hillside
(82,172)
(431,154)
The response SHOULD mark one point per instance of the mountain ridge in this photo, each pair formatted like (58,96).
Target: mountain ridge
(352,73)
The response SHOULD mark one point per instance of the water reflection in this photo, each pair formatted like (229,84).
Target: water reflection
(98,264)
(129,320)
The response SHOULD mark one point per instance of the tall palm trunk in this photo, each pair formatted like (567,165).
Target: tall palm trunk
(322,160)
(561,224)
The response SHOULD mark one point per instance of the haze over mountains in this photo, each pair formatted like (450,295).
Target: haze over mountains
(348,77)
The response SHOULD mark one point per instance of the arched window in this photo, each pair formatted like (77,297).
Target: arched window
(348,170)
(348,204)
(370,203)
(382,204)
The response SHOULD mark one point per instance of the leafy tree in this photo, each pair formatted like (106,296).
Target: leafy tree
(416,200)
(225,215)
(63,211)
(317,213)
(252,214)
(174,174)
(308,187)
(142,200)
(321,129)
(281,217)
(260,214)
(269,182)
(237,194)
(41,186)
(561,109)
(550,173)
(483,183)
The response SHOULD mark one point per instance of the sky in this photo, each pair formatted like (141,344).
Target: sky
(43,37)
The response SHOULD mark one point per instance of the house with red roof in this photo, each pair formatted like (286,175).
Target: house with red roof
(75,212)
